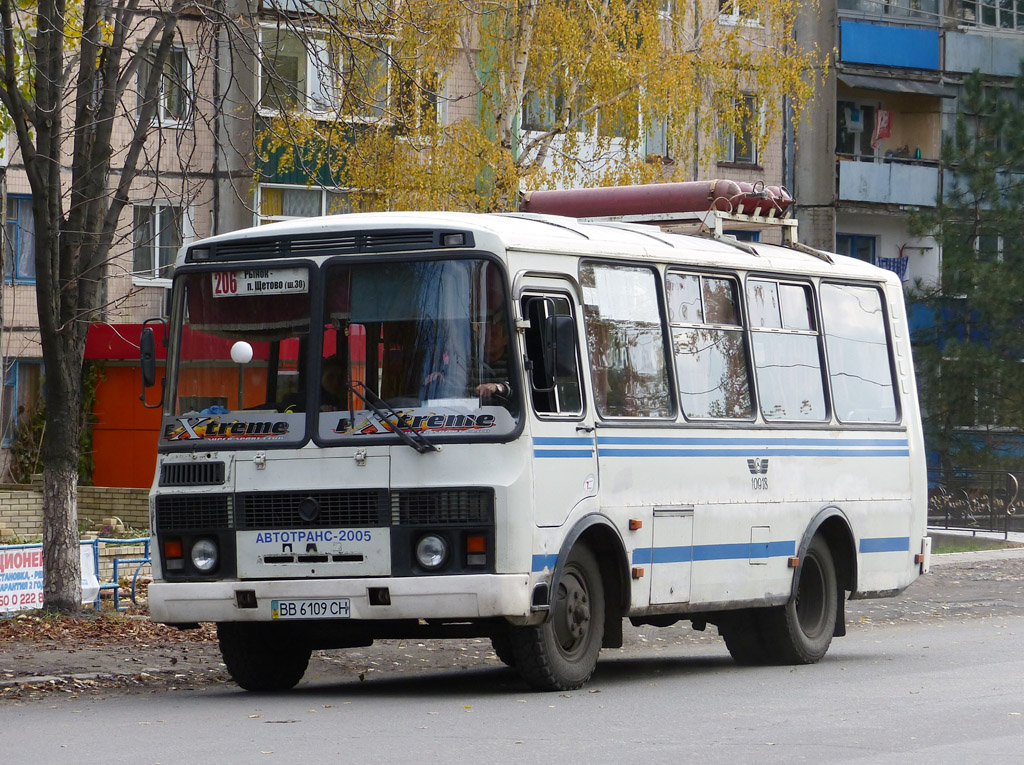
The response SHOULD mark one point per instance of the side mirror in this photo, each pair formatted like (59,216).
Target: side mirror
(557,351)
(147,360)
(147,357)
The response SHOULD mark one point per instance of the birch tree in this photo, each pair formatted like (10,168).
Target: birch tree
(66,67)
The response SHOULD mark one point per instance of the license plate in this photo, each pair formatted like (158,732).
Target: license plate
(319,608)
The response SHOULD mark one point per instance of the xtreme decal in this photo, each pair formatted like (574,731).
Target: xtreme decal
(187,428)
(433,423)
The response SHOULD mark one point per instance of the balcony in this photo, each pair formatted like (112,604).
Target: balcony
(888,181)
(888,45)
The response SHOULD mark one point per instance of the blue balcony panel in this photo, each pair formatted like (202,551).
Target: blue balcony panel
(893,183)
(882,45)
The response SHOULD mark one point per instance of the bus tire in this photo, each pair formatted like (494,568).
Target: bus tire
(260,658)
(502,645)
(741,632)
(561,653)
(800,632)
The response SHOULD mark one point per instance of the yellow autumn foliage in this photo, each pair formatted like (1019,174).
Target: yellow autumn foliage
(563,92)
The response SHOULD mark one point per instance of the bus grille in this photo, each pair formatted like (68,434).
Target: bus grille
(442,507)
(191,473)
(342,509)
(193,511)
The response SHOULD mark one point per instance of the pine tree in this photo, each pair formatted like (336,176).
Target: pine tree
(970,354)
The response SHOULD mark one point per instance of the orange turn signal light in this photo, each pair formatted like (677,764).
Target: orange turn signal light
(173,549)
(476,544)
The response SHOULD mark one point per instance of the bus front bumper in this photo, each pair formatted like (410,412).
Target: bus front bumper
(438,597)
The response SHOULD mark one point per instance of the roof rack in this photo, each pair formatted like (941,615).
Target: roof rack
(708,207)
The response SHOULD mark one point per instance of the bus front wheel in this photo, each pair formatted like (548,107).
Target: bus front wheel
(800,631)
(261,657)
(561,653)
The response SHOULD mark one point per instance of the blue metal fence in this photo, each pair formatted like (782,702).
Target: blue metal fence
(119,564)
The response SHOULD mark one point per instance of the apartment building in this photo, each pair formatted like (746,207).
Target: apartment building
(870,151)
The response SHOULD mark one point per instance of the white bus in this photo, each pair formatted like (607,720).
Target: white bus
(528,427)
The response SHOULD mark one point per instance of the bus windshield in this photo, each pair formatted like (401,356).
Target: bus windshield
(430,339)
(420,345)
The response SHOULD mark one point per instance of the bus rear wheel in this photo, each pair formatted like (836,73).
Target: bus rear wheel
(561,654)
(262,657)
(800,632)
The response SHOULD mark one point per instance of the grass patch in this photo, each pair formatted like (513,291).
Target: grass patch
(953,543)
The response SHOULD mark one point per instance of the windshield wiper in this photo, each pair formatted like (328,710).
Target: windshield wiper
(401,427)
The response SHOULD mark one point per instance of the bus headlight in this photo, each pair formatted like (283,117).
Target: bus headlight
(204,555)
(431,551)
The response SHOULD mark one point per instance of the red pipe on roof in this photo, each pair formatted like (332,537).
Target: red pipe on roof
(657,198)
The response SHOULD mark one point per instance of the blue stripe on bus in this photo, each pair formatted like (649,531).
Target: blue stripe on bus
(563,453)
(763,452)
(885,544)
(772,441)
(541,562)
(686,554)
(563,440)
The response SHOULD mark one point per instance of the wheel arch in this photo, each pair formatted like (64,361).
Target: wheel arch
(832,524)
(599,533)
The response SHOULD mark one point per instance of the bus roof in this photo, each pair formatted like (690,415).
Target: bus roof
(532,232)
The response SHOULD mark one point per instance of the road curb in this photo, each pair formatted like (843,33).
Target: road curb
(1005,553)
(83,676)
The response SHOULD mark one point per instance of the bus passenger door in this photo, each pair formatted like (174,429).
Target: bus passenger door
(564,454)
(673,551)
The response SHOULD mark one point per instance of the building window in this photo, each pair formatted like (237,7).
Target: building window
(739,145)
(656,141)
(417,101)
(737,12)
(288,202)
(1001,14)
(21,394)
(366,80)
(158,237)
(175,86)
(20,242)
(923,10)
(855,124)
(543,107)
(297,72)
(306,72)
(857,246)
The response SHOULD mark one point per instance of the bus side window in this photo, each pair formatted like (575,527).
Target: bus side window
(859,367)
(554,387)
(625,340)
(787,354)
(709,345)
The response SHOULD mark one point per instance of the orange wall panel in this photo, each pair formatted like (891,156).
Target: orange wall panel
(125,432)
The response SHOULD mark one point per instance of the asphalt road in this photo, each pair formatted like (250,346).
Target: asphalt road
(937,674)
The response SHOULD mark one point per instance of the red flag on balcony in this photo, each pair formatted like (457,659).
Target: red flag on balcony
(883,127)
